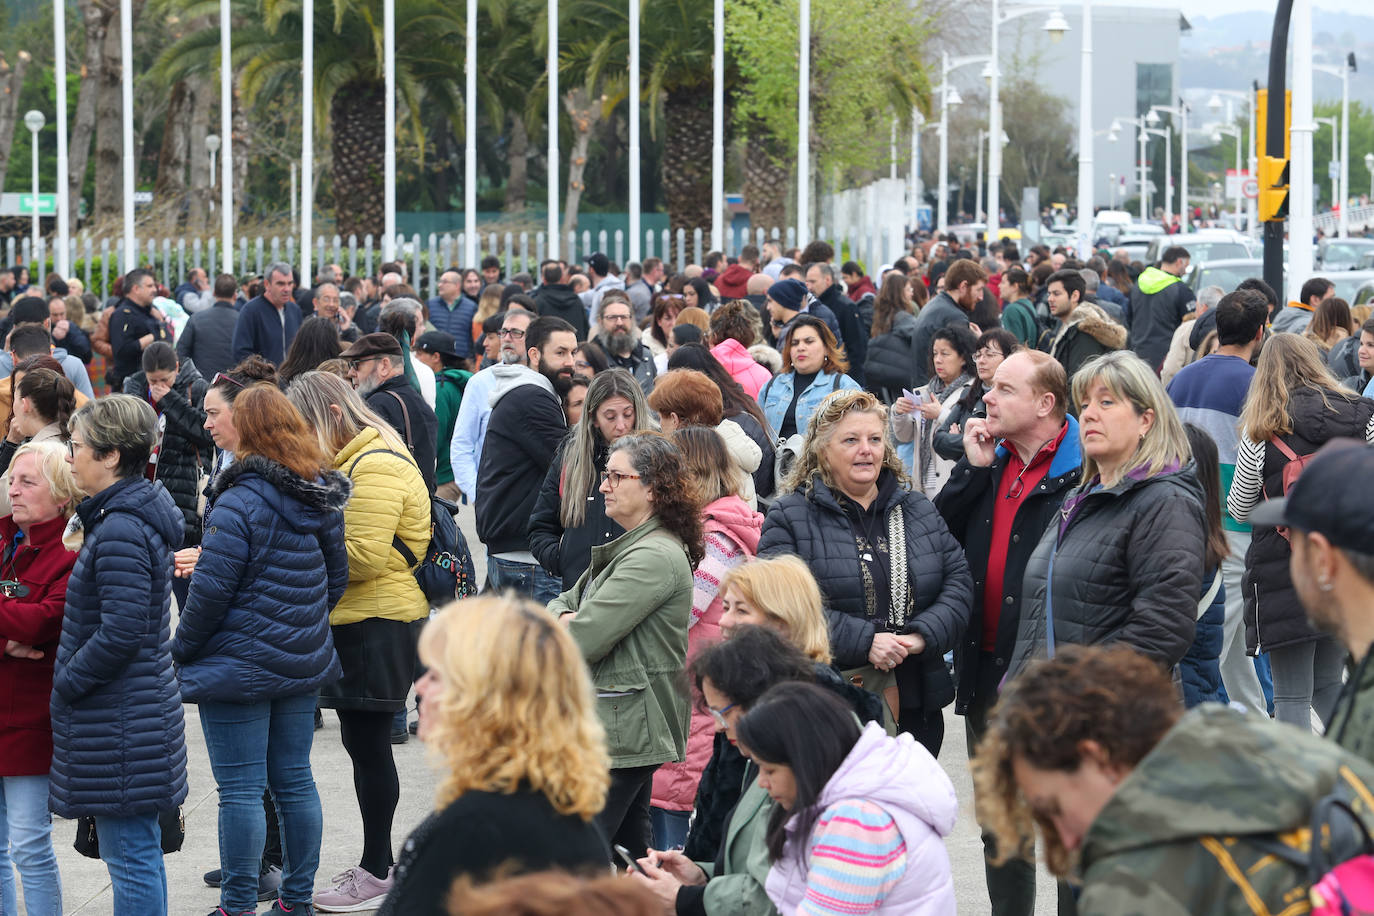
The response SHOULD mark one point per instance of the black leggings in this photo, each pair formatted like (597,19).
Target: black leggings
(367,738)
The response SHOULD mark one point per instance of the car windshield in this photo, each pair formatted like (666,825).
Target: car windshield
(1228,276)
(1348,284)
(1344,252)
(1216,251)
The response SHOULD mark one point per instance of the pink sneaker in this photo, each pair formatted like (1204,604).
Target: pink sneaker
(354,890)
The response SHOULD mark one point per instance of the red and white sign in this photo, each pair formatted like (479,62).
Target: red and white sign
(1235,183)
(1250,188)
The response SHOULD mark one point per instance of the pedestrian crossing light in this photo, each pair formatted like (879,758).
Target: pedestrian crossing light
(1273,189)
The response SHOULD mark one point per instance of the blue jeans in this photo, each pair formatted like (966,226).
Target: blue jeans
(669,827)
(132,850)
(253,745)
(26,842)
(528,579)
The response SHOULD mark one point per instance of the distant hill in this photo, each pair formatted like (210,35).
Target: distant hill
(1228,52)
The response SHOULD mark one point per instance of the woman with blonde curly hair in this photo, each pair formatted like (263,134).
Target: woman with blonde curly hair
(629,614)
(508,708)
(897,585)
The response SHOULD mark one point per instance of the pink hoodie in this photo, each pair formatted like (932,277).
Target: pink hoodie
(732,536)
(741,366)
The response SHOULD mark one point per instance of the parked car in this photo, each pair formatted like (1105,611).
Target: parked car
(1204,245)
(1348,282)
(1226,272)
(1343,254)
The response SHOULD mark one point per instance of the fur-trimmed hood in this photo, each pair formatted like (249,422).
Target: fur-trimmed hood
(1093,321)
(301,502)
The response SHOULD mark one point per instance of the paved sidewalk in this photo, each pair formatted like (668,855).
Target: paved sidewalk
(86,883)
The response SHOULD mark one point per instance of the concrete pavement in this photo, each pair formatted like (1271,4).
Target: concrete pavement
(86,883)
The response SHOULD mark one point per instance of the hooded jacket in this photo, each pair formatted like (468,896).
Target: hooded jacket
(256,623)
(899,777)
(559,300)
(631,610)
(389,500)
(186,446)
(812,524)
(892,359)
(1182,832)
(1087,333)
(732,537)
(523,434)
(119,744)
(1159,303)
(42,564)
(741,366)
(733,282)
(747,455)
(1127,568)
(1274,617)
(448,400)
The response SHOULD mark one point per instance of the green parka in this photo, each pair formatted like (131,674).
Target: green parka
(632,608)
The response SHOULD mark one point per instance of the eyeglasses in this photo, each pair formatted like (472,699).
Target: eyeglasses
(355,363)
(987,353)
(615,477)
(221,377)
(617,318)
(719,714)
(73,445)
(512,333)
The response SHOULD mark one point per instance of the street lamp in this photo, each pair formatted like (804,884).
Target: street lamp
(1333,122)
(1220,99)
(212,145)
(1179,111)
(1223,130)
(1055,26)
(34,121)
(949,96)
(1114,135)
(1369,164)
(1343,223)
(1167,133)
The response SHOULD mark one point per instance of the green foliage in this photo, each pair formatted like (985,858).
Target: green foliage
(861,76)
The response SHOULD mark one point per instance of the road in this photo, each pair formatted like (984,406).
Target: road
(86,887)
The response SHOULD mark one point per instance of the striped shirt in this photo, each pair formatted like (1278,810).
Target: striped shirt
(856,857)
(1247,488)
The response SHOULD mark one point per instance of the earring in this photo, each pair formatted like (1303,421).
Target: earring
(1325,586)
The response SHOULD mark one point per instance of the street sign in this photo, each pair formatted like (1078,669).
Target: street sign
(22,204)
(1333,169)
(1250,188)
(1235,181)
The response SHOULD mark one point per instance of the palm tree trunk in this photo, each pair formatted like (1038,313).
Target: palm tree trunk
(584,110)
(170,189)
(11,82)
(518,180)
(766,180)
(357,118)
(686,166)
(199,197)
(96,18)
(109,151)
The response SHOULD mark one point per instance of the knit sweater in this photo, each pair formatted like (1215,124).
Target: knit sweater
(856,856)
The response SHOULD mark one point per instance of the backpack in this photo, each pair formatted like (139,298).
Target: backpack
(1292,470)
(446,572)
(1340,871)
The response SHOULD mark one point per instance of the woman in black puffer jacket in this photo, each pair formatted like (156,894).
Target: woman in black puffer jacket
(176,391)
(892,358)
(894,607)
(1124,564)
(1295,400)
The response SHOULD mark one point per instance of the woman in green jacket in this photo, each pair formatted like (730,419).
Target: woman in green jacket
(629,614)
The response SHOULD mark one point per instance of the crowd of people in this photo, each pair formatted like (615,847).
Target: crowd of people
(751,527)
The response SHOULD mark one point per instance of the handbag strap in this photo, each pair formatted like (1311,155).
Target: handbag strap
(1283,447)
(1049,602)
(405,415)
(1207,599)
(406,553)
(896,549)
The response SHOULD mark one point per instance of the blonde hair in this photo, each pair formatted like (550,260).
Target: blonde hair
(56,470)
(1128,377)
(783,590)
(314,393)
(833,409)
(517,707)
(1287,362)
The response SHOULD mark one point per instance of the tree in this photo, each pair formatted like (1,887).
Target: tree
(11,82)
(1043,147)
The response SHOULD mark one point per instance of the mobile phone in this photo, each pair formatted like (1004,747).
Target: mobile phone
(629,859)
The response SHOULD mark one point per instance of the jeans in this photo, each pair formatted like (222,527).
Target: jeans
(252,746)
(132,850)
(625,819)
(26,841)
(669,827)
(1237,670)
(528,579)
(1307,679)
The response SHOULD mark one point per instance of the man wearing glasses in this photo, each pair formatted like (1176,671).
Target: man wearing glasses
(377,369)
(620,338)
(1019,465)
(452,312)
(470,431)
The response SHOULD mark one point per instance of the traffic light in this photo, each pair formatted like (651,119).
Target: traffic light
(1273,189)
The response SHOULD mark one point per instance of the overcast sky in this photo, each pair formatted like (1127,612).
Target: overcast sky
(1212,8)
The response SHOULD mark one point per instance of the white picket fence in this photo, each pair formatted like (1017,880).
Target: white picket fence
(97,262)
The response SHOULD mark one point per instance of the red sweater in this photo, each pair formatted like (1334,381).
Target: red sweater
(42,565)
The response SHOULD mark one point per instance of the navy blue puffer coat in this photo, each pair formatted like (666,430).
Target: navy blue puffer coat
(272,566)
(118,736)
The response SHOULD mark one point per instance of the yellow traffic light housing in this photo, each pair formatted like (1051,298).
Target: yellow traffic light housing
(1273,189)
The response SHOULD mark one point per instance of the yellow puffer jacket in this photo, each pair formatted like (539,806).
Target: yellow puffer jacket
(389,498)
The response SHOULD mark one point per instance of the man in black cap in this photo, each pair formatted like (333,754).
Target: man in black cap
(377,368)
(599,272)
(437,351)
(1329,514)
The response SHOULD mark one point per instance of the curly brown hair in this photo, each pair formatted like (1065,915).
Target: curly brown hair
(1116,697)
(662,471)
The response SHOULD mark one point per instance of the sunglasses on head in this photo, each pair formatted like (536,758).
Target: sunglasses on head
(221,377)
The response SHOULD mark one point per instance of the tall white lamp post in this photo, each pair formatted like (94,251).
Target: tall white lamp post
(59,36)
(34,121)
(389,130)
(226,129)
(1232,131)
(949,96)
(1344,71)
(126,87)
(1214,105)
(551,65)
